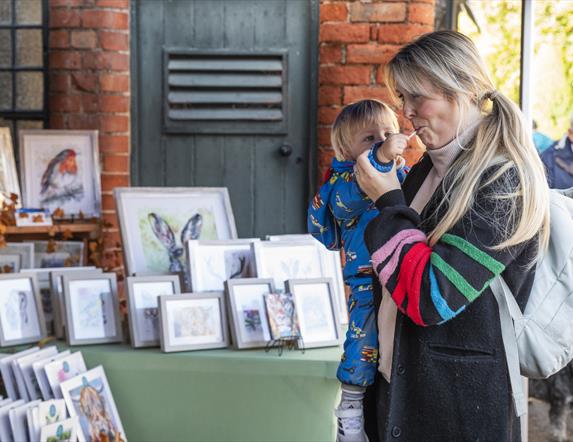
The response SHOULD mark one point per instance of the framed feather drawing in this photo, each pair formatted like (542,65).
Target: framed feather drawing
(60,169)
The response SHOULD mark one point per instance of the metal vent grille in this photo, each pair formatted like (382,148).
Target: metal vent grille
(223,87)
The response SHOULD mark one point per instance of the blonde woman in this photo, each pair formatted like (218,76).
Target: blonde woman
(474,207)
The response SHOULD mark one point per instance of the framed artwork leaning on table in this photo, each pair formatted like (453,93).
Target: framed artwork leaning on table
(8,174)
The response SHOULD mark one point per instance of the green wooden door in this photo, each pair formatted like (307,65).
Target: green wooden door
(224,95)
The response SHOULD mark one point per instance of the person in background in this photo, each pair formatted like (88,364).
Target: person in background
(541,141)
(558,161)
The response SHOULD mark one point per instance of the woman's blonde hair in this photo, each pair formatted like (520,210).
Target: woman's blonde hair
(450,62)
(355,117)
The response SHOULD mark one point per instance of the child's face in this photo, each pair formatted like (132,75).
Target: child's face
(366,137)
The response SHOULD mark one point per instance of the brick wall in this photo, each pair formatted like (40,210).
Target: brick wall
(357,38)
(89,87)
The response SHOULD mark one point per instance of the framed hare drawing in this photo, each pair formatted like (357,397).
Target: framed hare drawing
(156,222)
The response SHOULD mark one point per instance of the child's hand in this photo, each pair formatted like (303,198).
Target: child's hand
(393,146)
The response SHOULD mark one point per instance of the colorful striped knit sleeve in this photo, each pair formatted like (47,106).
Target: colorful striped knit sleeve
(432,285)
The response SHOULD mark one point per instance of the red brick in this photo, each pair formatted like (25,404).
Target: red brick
(59,82)
(373,32)
(84,82)
(356,93)
(57,121)
(330,54)
(371,53)
(64,18)
(84,39)
(114,83)
(345,32)
(333,12)
(113,41)
(65,103)
(116,163)
(114,103)
(326,114)
(110,182)
(83,121)
(114,143)
(401,33)
(323,135)
(105,61)
(105,19)
(344,74)
(421,13)
(90,103)
(329,95)
(108,202)
(118,4)
(114,123)
(65,60)
(110,218)
(377,12)
(430,2)
(72,3)
(59,39)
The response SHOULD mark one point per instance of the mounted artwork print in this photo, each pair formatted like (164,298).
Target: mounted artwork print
(60,169)
(58,254)
(195,321)
(143,306)
(8,175)
(89,398)
(63,369)
(156,222)
(282,315)
(212,263)
(21,315)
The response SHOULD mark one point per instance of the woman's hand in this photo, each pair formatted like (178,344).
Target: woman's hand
(374,183)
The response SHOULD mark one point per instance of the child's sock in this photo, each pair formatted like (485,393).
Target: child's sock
(350,415)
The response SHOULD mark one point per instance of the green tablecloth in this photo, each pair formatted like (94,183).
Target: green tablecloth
(221,395)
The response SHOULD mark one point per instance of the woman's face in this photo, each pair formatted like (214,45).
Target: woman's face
(434,116)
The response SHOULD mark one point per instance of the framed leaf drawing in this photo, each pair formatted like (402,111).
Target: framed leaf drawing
(60,169)
(156,222)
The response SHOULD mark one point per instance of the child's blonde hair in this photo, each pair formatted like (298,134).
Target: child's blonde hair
(355,117)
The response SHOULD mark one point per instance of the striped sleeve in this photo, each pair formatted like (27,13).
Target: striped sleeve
(432,285)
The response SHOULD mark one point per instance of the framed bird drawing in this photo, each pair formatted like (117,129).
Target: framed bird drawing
(60,169)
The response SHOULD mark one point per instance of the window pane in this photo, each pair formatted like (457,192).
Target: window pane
(496,32)
(29,47)
(29,91)
(5,47)
(5,90)
(28,12)
(29,124)
(5,12)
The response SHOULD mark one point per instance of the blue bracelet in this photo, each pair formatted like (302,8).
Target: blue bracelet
(380,167)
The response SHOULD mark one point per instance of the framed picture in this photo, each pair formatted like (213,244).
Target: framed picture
(8,175)
(28,217)
(18,421)
(143,306)
(60,169)
(21,315)
(40,373)
(247,311)
(8,376)
(57,294)
(193,321)
(64,254)
(283,320)
(10,262)
(88,397)
(5,429)
(211,263)
(156,222)
(282,260)
(65,430)
(62,369)
(332,269)
(26,371)
(92,308)
(24,249)
(316,311)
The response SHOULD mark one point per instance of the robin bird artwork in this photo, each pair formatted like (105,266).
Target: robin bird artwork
(60,181)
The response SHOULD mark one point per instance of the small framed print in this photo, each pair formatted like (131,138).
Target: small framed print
(143,306)
(88,397)
(63,369)
(24,249)
(8,375)
(92,308)
(65,430)
(64,254)
(39,371)
(21,315)
(283,320)
(247,311)
(213,262)
(194,321)
(10,262)
(316,311)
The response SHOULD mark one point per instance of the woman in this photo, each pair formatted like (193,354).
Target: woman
(476,206)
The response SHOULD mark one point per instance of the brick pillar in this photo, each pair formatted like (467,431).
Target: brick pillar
(89,87)
(356,40)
